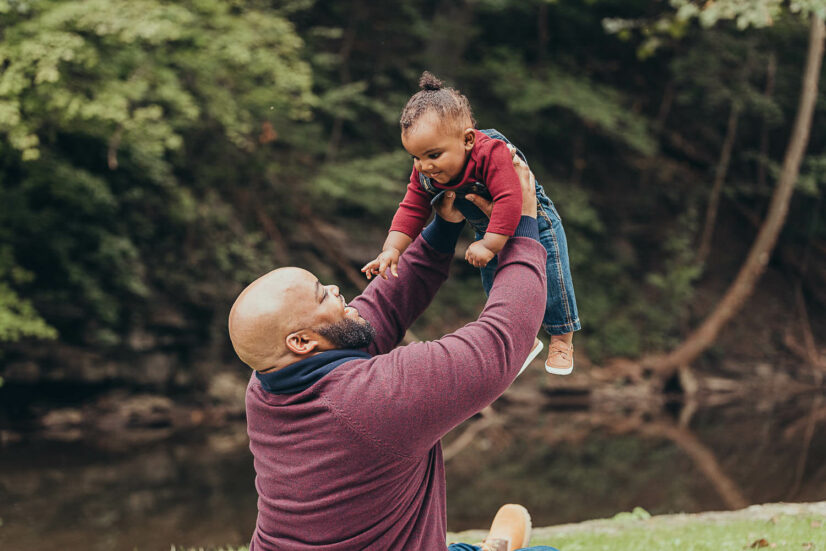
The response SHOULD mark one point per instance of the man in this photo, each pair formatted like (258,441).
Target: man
(344,428)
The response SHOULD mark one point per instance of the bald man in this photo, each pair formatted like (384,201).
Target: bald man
(344,426)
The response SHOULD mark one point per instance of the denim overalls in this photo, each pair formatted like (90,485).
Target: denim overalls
(560,309)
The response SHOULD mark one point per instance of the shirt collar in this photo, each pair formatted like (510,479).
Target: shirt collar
(305,373)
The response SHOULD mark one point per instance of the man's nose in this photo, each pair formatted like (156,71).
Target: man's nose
(334,289)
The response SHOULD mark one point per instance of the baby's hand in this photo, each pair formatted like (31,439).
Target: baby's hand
(389,258)
(478,255)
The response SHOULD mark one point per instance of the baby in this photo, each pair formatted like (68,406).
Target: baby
(449,154)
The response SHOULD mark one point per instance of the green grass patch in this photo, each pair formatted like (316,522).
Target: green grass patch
(801,527)
(784,532)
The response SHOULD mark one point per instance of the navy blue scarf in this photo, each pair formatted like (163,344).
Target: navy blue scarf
(304,374)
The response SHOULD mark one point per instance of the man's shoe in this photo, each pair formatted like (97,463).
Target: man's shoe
(560,358)
(537,348)
(512,525)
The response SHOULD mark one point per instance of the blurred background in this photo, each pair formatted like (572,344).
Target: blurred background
(157,156)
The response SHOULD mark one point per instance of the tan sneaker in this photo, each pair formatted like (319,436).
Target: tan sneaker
(560,358)
(537,348)
(510,529)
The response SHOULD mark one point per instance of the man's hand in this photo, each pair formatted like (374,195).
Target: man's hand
(446,210)
(526,181)
(478,255)
(389,258)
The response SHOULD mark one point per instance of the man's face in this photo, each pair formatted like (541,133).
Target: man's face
(337,322)
(439,150)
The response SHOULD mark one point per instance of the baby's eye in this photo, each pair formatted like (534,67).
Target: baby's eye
(434,155)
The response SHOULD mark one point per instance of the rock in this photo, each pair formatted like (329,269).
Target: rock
(143,410)
(154,368)
(62,419)
(22,372)
(228,388)
(140,340)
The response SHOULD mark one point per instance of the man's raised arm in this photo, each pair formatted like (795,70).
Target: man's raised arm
(391,305)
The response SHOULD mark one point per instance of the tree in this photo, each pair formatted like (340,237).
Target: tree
(110,114)
(758,257)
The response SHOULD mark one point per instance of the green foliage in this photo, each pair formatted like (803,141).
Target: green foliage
(18,317)
(156,155)
(102,104)
(528,93)
(673,23)
(374,184)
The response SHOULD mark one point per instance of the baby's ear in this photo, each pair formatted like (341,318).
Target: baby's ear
(469,138)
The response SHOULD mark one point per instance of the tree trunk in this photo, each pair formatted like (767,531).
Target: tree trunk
(758,256)
(719,179)
(337,129)
(542,34)
(771,70)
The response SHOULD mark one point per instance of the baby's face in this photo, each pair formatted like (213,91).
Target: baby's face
(439,152)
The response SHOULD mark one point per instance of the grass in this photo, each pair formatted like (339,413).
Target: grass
(801,527)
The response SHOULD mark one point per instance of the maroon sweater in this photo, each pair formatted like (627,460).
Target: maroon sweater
(353,461)
(491,163)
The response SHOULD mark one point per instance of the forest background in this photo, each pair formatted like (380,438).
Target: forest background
(156,156)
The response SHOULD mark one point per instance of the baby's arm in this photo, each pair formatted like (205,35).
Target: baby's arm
(504,185)
(407,223)
(394,246)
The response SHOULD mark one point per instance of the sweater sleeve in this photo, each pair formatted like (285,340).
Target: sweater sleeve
(500,178)
(408,399)
(414,209)
(391,305)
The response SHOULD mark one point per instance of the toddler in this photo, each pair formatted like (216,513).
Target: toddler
(449,154)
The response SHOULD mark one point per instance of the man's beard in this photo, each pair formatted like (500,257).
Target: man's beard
(348,333)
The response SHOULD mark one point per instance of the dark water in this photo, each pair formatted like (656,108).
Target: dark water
(197,489)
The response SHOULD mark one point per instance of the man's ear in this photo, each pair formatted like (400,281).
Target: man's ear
(302,342)
(469,138)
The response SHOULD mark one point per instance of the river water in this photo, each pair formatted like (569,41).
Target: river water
(196,490)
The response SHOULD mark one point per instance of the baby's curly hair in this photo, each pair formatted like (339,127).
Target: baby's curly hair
(448,103)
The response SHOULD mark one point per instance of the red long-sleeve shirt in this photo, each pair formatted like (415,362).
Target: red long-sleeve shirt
(354,461)
(491,163)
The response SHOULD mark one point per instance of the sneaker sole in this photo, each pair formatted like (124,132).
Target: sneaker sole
(526,541)
(559,370)
(511,508)
(534,353)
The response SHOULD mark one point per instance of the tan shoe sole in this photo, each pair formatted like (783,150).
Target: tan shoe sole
(512,523)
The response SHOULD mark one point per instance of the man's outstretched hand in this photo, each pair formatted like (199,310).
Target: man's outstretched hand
(526,180)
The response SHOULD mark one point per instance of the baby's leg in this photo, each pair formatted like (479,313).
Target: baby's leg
(561,317)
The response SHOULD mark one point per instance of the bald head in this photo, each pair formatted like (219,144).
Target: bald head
(287,315)
(269,309)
